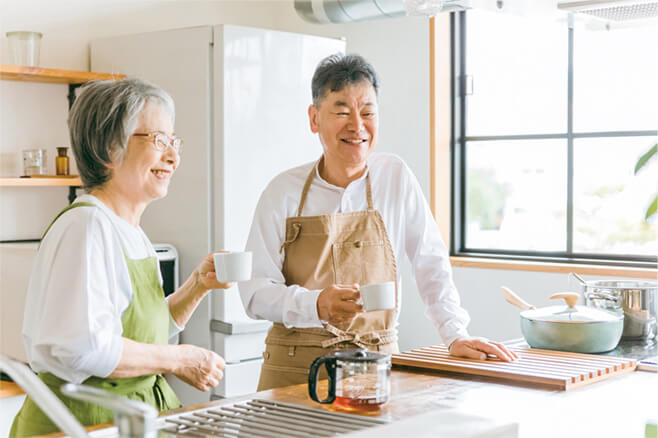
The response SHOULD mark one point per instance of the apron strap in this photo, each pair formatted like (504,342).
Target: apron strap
(369,191)
(309,180)
(70,207)
(307,185)
(297,228)
(363,340)
(121,386)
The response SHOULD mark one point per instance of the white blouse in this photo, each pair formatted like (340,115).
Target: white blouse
(409,224)
(79,288)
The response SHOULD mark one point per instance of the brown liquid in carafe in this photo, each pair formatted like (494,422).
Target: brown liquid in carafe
(360,393)
(358,404)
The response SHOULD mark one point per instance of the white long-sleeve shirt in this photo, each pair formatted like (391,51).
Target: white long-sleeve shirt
(78,291)
(409,224)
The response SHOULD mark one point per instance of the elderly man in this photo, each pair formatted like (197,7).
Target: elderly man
(323,228)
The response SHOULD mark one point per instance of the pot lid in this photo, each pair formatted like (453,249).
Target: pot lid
(360,355)
(575,314)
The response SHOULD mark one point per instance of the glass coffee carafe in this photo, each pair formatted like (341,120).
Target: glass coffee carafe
(359,380)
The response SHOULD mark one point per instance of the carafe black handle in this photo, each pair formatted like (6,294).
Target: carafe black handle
(330,364)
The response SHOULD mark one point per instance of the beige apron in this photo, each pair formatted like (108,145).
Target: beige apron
(340,248)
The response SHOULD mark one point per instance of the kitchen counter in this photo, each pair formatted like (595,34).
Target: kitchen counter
(618,407)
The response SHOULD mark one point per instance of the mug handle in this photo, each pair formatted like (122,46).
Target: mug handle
(330,364)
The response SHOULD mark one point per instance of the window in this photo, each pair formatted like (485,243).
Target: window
(549,120)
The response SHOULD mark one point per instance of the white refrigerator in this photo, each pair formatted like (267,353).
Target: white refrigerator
(241,99)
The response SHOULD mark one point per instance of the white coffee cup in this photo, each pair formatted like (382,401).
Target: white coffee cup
(232,266)
(378,296)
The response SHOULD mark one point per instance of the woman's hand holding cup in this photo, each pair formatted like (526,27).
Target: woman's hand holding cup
(206,273)
(232,266)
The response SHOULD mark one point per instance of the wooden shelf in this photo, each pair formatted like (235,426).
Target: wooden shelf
(10,389)
(52,75)
(40,182)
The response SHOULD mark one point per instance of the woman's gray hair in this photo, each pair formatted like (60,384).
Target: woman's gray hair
(103,118)
(335,72)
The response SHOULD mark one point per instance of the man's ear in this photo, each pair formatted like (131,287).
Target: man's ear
(313,118)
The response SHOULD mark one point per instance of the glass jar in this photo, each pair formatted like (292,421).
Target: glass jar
(34,162)
(62,161)
(24,47)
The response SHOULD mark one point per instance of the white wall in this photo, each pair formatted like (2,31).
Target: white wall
(34,115)
(69,25)
(399,49)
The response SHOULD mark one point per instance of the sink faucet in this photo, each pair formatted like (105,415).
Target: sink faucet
(132,418)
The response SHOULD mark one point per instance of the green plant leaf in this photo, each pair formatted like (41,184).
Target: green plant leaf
(652,209)
(646,157)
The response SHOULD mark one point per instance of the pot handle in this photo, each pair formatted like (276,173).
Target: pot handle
(330,364)
(601,295)
(570,297)
(515,300)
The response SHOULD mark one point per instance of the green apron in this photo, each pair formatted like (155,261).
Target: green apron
(145,320)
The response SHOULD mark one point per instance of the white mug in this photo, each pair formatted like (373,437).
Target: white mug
(378,296)
(232,266)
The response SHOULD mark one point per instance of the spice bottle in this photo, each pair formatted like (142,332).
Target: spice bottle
(62,162)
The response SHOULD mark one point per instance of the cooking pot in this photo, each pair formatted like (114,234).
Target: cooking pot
(359,380)
(573,328)
(637,300)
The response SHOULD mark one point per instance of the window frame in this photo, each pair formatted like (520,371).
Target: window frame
(447,166)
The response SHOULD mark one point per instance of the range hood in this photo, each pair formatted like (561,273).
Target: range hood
(343,11)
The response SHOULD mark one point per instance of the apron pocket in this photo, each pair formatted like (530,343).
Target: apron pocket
(360,261)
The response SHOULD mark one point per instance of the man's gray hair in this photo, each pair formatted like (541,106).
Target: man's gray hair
(337,71)
(103,118)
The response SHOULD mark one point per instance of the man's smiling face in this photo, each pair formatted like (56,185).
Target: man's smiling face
(347,123)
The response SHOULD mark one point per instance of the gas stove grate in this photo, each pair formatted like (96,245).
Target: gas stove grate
(266,419)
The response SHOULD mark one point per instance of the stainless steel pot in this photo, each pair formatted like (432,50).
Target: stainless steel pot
(637,300)
(573,328)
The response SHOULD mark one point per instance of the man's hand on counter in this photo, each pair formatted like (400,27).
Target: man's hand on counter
(480,348)
(199,367)
(338,303)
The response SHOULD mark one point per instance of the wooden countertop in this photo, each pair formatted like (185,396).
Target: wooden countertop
(618,407)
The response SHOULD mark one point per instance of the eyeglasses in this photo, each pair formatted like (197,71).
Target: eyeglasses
(161,142)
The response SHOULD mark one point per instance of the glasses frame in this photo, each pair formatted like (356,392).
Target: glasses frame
(159,138)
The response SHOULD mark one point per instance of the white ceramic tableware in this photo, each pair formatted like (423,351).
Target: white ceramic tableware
(378,296)
(232,266)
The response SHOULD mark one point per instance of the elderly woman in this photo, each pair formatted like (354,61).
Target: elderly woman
(96,309)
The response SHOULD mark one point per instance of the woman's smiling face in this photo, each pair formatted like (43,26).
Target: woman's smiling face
(144,172)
